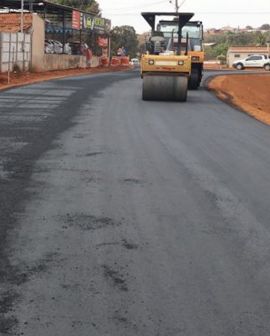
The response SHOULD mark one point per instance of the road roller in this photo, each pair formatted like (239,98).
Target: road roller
(165,66)
(194,29)
(193,44)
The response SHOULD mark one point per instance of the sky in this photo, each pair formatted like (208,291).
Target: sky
(213,13)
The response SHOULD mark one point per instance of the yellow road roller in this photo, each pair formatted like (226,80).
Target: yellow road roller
(165,67)
(192,40)
(194,29)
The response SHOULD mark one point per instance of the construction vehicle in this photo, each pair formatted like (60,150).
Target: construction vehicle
(195,50)
(165,67)
(194,45)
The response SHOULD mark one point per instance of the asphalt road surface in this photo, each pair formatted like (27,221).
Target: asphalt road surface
(122,217)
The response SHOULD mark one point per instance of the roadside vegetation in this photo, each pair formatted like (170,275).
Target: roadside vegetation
(124,36)
(223,40)
(86,5)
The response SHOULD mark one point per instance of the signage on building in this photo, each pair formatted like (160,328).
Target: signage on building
(76,20)
(102,24)
(96,23)
(99,22)
(88,21)
(102,42)
(108,25)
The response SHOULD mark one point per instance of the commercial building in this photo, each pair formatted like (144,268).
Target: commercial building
(58,37)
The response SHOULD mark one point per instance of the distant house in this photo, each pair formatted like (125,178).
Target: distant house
(229,29)
(213,31)
(235,53)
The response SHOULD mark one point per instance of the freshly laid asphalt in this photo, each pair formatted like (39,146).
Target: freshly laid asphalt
(123,217)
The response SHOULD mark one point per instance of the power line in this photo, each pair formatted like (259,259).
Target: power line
(201,13)
(181,4)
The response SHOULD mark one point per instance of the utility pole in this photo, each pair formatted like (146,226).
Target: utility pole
(22,8)
(268,47)
(176,6)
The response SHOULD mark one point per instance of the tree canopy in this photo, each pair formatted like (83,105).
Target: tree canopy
(265,26)
(124,36)
(86,5)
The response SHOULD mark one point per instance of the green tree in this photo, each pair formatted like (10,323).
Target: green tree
(215,51)
(265,26)
(221,59)
(86,5)
(260,39)
(124,36)
(224,40)
(267,37)
(240,39)
(221,49)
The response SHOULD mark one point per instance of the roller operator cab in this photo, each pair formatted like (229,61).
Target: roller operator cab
(166,65)
(192,41)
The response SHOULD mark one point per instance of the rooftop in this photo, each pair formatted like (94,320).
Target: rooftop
(248,49)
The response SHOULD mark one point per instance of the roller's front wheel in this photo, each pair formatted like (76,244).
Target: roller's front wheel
(165,88)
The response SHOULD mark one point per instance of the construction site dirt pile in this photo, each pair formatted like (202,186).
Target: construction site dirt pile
(248,92)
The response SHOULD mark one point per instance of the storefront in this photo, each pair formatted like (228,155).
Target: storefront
(67,32)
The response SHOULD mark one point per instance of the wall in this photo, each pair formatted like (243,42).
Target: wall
(61,62)
(46,62)
(38,39)
(95,62)
(15,50)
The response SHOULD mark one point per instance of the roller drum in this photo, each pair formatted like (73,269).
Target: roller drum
(165,88)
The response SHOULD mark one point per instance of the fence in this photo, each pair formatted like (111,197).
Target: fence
(15,51)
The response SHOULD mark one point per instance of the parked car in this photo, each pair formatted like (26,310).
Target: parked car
(67,49)
(253,61)
(4,10)
(48,47)
(57,46)
(135,62)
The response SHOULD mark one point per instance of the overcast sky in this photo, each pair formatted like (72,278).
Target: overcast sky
(213,13)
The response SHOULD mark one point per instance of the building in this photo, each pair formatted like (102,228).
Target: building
(50,36)
(235,53)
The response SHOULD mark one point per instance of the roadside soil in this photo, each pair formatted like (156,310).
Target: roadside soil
(249,92)
(18,79)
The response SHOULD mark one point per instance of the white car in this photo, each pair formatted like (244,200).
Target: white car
(253,61)
(49,47)
(67,49)
(57,46)
(135,62)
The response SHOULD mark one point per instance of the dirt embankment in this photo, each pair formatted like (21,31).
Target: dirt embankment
(250,93)
(18,79)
